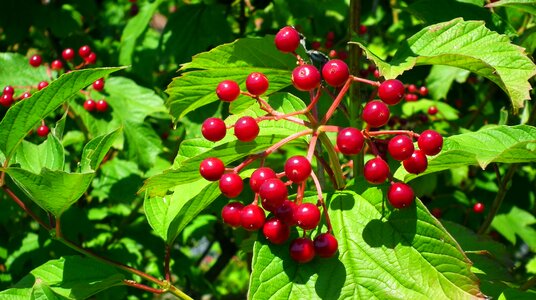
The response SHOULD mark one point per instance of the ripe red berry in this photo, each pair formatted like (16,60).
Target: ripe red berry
(231,185)
(335,72)
(67,54)
(328,44)
(273,193)
(411,97)
(84,51)
(213,129)
(306,77)
(423,91)
(302,250)
(362,29)
(257,83)
(412,88)
(98,84)
(252,217)
(400,195)
(259,176)
(478,208)
(430,142)
(307,215)
(343,55)
(298,168)
(391,91)
(246,129)
(437,212)
(90,105)
(376,113)
(25,95)
(231,213)
(287,39)
(285,212)
(350,141)
(56,64)
(9,90)
(332,53)
(211,168)
(330,36)
(326,245)
(101,105)
(432,110)
(91,58)
(376,73)
(376,170)
(41,85)
(42,130)
(316,45)
(6,100)
(35,60)
(401,147)
(417,163)
(276,231)
(228,90)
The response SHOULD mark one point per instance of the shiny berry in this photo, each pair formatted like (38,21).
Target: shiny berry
(306,77)
(273,193)
(362,29)
(56,65)
(41,85)
(417,163)
(67,54)
(213,129)
(401,147)
(36,60)
(42,130)
(326,245)
(430,142)
(246,129)
(84,51)
(6,100)
(432,110)
(98,85)
(307,216)
(400,195)
(257,83)
(335,72)
(211,168)
(412,89)
(376,170)
(376,113)
(25,95)
(350,141)
(287,39)
(9,90)
(231,185)
(231,213)
(276,231)
(411,97)
(297,169)
(228,90)
(391,91)
(91,58)
(478,208)
(259,176)
(423,91)
(332,53)
(101,105)
(285,212)
(90,105)
(252,217)
(302,250)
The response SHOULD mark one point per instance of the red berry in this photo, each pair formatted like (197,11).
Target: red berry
(376,170)
(376,113)
(6,100)
(41,85)
(306,77)
(231,213)
(84,51)
(36,60)
(56,64)
(98,84)
(478,208)
(43,130)
(25,95)
(298,169)
(285,212)
(273,193)
(400,195)
(307,215)
(423,91)
(436,212)
(287,39)
(91,58)
(328,44)
(376,73)
(257,83)
(343,55)
(350,141)
(362,29)
(231,185)
(9,90)
(332,53)
(228,90)
(417,163)
(246,129)
(430,142)
(316,45)
(391,91)
(325,245)
(211,168)
(101,105)
(276,231)
(401,147)
(330,36)
(432,110)
(213,129)
(412,88)
(302,250)
(252,217)
(335,72)
(90,105)
(68,54)
(259,176)
(411,97)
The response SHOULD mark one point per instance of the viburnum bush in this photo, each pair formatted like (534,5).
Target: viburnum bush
(305,149)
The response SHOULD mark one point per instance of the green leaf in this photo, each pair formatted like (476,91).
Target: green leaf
(142,144)
(500,144)
(468,45)
(15,71)
(516,222)
(25,115)
(399,254)
(235,61)
(445,111)
(525,5)
(440,80)
(515,294)
(49,154)
(70,277)
(96,149)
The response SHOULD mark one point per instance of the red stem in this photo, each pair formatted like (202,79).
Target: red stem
(321,201)
(359,79)
(25,208)
(337,101)
(140,286)
(167,258)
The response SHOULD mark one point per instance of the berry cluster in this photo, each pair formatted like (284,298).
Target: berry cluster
(271,187)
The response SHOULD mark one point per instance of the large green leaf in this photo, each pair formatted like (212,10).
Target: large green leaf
(49,154)
(526,5)
(440,79)
(71,277)
(399,254)
(25,115)
(516,222)
(501,144)
(235,61)
(96,149)
(468,45)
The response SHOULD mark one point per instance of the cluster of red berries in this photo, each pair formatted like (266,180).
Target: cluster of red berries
(100,105)
(269,187)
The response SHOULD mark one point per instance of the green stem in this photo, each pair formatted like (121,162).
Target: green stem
(333,160)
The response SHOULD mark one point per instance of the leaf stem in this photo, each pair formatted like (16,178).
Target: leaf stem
(321,201)
(167,258)
(530,283)
(337,101)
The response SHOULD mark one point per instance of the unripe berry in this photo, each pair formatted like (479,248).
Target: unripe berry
(325,245)
(417,163)
(400,195)
(213,129)
(376,170)
(287,39)
(211,168)
(231,214)
(430,142)
(376,113)
(228,90)
(231,185)
(401,147)
(257,83)
(259,176)
(276,231)
(335,72)
(306,77)
(307,215)
(391,91)
(302,250)
(350,141)
(246,129)
(298,169)
(252,217)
